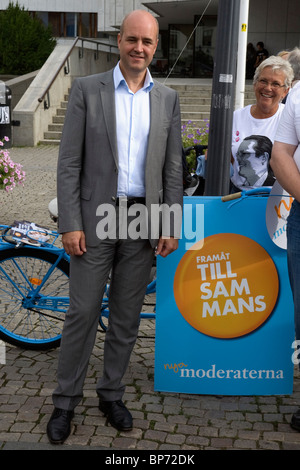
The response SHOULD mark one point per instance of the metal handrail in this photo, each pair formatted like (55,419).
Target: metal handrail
(98,43)
(65,59)
(46,91)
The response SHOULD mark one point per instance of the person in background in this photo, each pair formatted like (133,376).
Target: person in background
(272,81)
(294,60)
(283,54)
(285,163)
(250,61)
(262,53)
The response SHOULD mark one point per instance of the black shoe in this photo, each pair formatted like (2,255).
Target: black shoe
(59,426)
(117,414)
(295,421)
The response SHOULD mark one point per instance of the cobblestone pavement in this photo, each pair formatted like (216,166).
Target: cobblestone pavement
(162,421)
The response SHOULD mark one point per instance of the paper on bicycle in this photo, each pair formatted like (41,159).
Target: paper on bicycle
(29,233)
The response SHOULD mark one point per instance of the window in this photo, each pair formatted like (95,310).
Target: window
(70,24)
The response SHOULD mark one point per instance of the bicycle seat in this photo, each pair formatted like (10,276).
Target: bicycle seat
(52,207)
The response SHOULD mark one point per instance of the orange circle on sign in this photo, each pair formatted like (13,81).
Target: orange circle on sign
(226,286)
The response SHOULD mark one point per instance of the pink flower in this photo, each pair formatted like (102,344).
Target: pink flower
(10,172)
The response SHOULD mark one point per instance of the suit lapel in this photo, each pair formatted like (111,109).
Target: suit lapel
(155,103)
(107,94)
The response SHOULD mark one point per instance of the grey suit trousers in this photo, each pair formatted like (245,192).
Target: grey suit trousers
(131,262)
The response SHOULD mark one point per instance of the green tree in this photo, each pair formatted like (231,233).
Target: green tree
(25,43)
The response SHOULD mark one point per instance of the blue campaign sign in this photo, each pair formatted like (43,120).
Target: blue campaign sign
(224,321)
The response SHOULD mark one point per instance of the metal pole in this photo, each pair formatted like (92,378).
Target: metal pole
(242,55)
(222,102)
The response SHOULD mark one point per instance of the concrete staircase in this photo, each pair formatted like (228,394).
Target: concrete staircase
(195,102)
(53,135)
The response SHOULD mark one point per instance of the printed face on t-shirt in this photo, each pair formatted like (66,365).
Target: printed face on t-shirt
(252,160)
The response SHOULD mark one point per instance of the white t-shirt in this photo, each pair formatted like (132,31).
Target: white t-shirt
(288,130)
(252,141)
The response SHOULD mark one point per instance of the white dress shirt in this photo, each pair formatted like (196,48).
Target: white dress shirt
(133,125)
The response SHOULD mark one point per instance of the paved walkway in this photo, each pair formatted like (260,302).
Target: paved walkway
(162,421)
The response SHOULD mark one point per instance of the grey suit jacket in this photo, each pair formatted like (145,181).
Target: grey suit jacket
(87,173)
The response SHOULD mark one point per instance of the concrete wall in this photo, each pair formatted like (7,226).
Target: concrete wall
(29,111)
(19,85)
(276,23)
(87,61)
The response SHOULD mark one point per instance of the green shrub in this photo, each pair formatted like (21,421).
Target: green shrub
(25,43)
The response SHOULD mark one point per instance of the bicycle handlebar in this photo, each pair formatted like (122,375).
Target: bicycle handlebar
(230,197)
(250,192)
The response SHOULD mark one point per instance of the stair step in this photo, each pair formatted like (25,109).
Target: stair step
(49,142)
(195,101)
(190,88)
(58,119)
(194,115)
(61,112)
(52,135)
(197,94)
(55,127)
(195,107)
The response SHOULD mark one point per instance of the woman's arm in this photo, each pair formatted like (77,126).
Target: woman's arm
(285,168)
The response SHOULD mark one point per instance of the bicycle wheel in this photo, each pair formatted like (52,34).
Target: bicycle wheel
(33,297)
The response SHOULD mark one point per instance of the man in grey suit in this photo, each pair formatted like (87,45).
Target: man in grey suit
(121,145)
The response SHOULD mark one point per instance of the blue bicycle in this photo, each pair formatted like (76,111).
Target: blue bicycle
(34,284)
(34,291)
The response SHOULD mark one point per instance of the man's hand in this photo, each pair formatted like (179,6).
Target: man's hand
(166,246)
(74,243)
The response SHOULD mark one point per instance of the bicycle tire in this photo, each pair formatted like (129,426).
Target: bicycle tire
(21,271)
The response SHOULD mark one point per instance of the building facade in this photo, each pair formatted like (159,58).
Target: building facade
(187,27)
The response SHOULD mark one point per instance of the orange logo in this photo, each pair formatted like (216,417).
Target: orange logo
(286,208)
(227,286)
